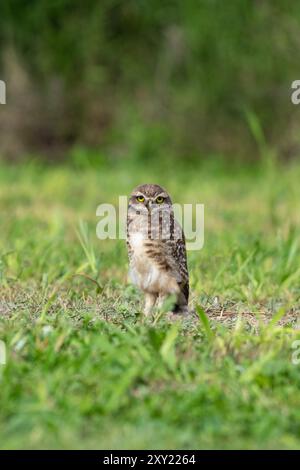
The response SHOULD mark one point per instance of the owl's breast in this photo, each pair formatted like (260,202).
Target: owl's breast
(148,266)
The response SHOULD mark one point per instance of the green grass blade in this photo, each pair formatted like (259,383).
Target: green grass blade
(205,322)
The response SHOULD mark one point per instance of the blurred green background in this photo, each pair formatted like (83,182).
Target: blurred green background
(146,79)
(192,95)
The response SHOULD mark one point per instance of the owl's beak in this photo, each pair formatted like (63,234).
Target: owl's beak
(149,205)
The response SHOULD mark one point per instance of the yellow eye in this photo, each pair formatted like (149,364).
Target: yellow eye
(140,198)
(160,200)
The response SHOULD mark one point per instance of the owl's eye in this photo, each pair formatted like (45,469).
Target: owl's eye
(160,200)
(140,198)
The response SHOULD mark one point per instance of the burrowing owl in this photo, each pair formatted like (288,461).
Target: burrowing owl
(156,248)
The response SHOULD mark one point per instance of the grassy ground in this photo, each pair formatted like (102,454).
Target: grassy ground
(85,370)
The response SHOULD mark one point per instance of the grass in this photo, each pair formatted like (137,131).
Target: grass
(86,370)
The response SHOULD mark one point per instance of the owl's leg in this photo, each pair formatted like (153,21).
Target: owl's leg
(161,300)
(150,300)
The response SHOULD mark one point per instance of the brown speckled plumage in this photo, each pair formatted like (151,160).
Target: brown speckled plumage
(156,248)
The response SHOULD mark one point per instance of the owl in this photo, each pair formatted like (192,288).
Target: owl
(156,249)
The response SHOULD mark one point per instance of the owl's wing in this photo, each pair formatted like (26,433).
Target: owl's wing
(180,259)
(180,256)
(129,249)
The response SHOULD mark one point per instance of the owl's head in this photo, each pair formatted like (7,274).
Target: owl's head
(150,197)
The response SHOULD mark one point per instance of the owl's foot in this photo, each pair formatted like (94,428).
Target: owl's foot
(150,300)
